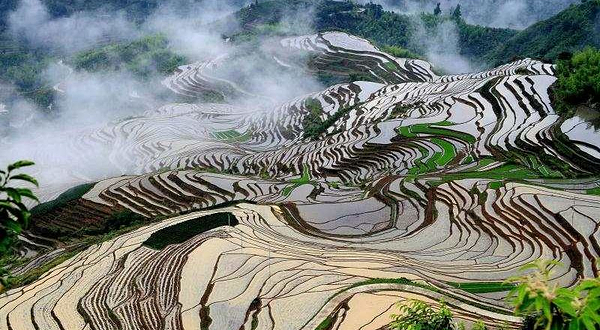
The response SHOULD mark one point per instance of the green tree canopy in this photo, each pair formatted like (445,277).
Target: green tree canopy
(437,11)
(578,81)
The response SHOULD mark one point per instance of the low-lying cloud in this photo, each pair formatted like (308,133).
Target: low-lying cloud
(515,14)
(442,48)
(32,21)
(87,101)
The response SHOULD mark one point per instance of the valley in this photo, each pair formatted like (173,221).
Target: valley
(410,185)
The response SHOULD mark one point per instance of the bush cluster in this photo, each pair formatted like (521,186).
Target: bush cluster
(578,81)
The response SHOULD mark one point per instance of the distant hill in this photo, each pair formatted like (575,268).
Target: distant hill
(371,21)
(495,13)
(572,29)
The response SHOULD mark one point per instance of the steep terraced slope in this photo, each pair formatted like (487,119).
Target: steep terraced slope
(414,181)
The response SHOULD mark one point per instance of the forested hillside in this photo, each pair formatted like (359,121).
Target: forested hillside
(22,64)
(573,29)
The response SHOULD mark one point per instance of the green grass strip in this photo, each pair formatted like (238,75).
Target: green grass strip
(232,136)
(449,152)
(326,324)
(482,287)
(593,191)
(430,128)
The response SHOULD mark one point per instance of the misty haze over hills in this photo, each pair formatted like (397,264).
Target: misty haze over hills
(513,14)
(298,164)
(73,96)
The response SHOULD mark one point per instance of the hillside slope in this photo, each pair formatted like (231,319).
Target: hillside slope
(371,21)
(407,185)
(572,29)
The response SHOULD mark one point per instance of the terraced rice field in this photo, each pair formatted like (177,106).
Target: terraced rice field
(425,187)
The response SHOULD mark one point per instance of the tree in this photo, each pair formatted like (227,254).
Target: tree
(14,215)
(578,81)
(457,13)
(437,11)
(546,306)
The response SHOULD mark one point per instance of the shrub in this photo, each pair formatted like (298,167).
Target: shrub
(578,81)
(62,199)
(546,306)
(399,52)
(417,315)
(183,231)
(14,215)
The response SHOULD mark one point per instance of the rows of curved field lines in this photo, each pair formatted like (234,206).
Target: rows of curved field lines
(224,278)
(437,179)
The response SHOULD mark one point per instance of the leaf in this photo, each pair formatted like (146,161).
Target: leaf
(27,193)
(9,207)
(5,204)
(565,306)
(19,164)
(24,177)
(21,215)
(531,265)
(589,324)
(574,326)
(589,284)
(25,219)
(12,226)
(13,194)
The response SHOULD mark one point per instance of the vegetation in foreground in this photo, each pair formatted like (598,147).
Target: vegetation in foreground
(417,315)
(546,306)
(541,304)
(14,215)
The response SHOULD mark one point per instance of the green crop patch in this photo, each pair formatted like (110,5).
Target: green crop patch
(304,179)
(483,287)
(434,129)
(232,136)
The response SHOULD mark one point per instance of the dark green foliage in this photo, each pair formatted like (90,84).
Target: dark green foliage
(22,67)
(457,13)
(123,219)
(483,287)
(14,215)
(369,21)
(437,11)
(183,231)
(571,30)
(399,52)
(553,307)
(62,199)
(312,122)
(476,41)
(417,315)
(578,82)
(142,57)
(136,10)
(313,125)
